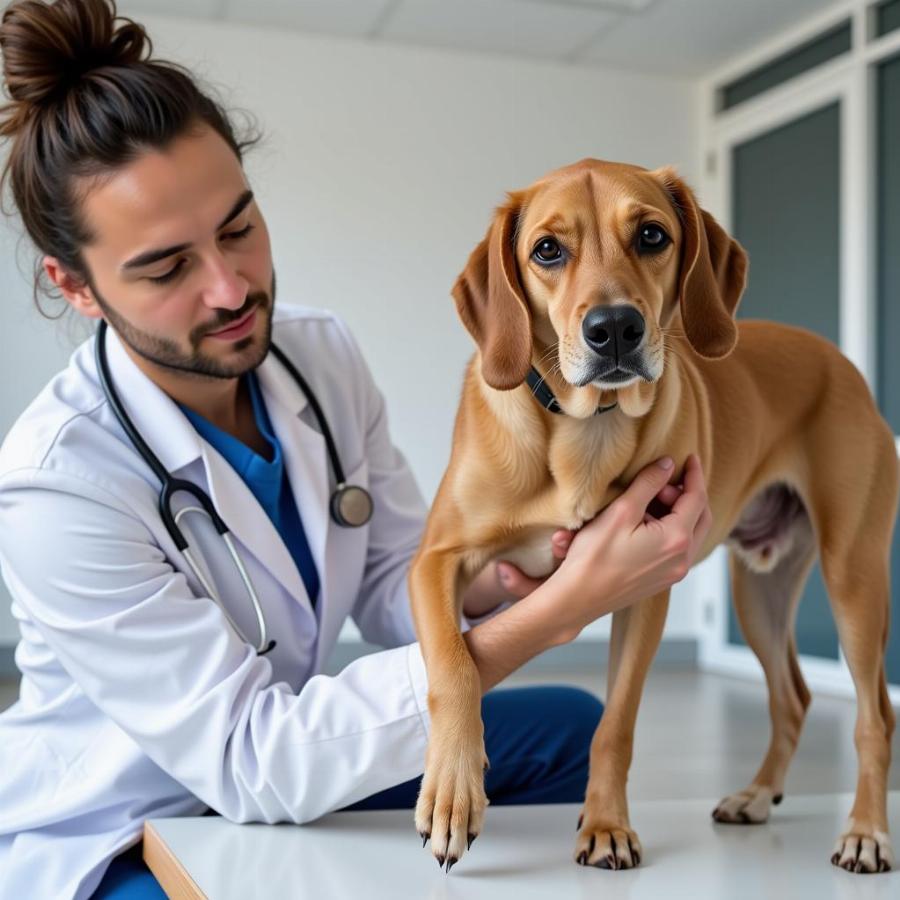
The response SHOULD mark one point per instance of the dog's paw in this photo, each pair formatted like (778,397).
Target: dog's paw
(607,845)
(451,803)
(863,849)
(747,807)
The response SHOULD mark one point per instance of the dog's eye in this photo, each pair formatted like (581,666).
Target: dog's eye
(546,252)
(651,238)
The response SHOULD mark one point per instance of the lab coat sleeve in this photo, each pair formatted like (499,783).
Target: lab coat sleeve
(382,611)
(165,666)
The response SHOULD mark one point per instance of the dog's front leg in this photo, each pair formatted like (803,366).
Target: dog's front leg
(451,803)
(605,837)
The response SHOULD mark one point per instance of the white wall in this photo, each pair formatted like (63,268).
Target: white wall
(378,176)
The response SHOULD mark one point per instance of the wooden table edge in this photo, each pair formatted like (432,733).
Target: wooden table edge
(167,868)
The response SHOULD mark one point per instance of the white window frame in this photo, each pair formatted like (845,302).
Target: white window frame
(850,80)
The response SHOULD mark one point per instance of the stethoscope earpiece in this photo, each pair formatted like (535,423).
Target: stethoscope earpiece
(350,506)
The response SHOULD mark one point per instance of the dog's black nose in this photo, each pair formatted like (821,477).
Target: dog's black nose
(613,331)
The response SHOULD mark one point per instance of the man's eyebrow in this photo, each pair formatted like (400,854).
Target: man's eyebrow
(152,256)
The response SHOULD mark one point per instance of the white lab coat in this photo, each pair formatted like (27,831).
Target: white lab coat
(137,697)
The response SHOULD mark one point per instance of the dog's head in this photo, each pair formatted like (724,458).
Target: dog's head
(588,271)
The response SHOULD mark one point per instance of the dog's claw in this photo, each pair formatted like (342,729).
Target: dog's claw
(424,835)
(471,838)
(451,860)
(580,820)
(440,860)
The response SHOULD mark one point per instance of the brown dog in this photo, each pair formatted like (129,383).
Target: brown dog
(612,283)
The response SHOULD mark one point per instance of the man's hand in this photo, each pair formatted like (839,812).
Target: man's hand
(500,580)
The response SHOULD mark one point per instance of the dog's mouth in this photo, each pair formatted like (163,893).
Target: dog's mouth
(621,373)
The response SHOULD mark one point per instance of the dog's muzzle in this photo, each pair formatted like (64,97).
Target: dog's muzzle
(615,333)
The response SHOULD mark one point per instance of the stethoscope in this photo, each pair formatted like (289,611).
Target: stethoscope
(350,506)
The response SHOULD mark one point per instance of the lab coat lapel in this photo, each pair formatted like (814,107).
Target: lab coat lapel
(250,525)
(305,457)
(174,440)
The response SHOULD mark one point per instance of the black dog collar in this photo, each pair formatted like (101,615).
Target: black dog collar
(545,397)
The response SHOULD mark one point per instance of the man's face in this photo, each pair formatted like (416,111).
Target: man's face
(180,250)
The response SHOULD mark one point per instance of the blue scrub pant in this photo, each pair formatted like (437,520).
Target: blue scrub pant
(537,740)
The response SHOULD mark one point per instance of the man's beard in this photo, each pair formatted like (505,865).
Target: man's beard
(166,352)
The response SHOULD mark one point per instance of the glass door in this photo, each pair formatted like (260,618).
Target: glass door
(887,127)
(785,211)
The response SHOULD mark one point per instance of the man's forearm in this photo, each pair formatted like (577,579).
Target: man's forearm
(507,641)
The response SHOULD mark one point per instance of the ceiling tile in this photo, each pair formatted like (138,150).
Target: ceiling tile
(535,29)
(614,5)
(691,37)
(193,9)
(340,17)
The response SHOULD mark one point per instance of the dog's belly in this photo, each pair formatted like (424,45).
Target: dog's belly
(762,536)
(764,533)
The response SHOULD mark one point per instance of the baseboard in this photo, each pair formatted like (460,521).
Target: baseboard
(673,653)
(581,655)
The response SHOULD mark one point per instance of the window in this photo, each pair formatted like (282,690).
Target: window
(820,49)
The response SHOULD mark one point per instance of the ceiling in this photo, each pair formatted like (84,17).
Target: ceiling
(678,37)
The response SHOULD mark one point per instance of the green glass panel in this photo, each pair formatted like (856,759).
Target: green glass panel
(887,17)
(786,214)
(801,59)
(888,294)
(888,284)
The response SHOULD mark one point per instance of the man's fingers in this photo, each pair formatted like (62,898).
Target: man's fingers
(669,494)
(643,488)
(515,580)
(661,505)
(703,524)
(693,500)
(560,542)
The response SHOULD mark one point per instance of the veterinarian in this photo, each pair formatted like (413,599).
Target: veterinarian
(171,666)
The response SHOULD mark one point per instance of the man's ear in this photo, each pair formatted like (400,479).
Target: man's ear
(492,305)
(75,291)
(713,272)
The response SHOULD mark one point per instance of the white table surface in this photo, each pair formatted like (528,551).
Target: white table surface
(526,852)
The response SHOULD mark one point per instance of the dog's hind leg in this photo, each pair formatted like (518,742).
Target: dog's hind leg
(856,569)
(766,605)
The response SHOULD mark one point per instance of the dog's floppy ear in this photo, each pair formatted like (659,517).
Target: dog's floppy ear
(712,275)
(491,304)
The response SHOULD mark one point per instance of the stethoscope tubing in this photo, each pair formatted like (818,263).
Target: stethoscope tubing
(171,485)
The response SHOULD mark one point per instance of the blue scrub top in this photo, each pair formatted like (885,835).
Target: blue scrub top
(267,479)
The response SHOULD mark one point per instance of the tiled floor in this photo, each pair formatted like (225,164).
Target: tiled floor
(702,735)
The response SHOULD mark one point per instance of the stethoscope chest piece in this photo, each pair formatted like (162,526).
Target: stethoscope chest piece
(351,506)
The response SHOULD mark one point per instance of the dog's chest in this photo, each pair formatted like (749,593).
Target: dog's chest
(586,461)
(585,467)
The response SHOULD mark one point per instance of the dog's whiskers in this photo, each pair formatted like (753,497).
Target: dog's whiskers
(550,350)
(673,348)
(553,348)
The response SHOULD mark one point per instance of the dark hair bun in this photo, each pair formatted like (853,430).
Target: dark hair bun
(49,47)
